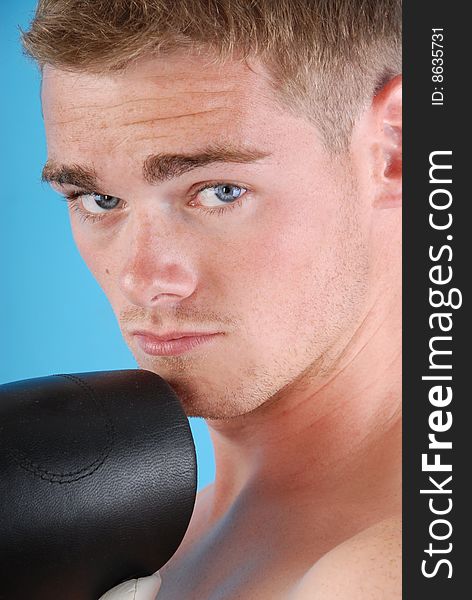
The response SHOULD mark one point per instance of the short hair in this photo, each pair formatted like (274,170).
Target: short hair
(326,58)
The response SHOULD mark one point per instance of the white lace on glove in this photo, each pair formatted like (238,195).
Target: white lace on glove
(145,588)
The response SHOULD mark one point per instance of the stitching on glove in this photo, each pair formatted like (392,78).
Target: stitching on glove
(72,476)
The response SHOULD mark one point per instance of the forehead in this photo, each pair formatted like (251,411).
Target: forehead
(171,103)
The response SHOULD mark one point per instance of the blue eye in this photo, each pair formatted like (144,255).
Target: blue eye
(225,193)
(99,203)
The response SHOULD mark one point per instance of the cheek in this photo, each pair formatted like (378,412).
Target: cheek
(85,245)
(282,252)
(304,272)
(100,263)
(268,274)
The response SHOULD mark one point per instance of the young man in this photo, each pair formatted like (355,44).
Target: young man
(233,171)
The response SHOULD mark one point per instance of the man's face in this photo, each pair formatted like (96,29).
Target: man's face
(207,209)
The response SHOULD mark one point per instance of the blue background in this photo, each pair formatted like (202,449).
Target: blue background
(53,316)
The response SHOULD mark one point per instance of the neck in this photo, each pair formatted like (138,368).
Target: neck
(335,437)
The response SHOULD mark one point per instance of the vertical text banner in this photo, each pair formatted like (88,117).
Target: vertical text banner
(437,450)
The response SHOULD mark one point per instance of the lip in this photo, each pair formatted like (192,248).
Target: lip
(173,343)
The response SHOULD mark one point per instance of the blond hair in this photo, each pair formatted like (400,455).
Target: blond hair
(326,58)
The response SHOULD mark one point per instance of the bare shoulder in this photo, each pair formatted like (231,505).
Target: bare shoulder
(364,567)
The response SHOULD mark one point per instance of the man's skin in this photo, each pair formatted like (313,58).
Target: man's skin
(300,277)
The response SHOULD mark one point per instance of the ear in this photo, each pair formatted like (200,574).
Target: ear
(386,138)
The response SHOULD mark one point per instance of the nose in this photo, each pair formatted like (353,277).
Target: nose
(157,268)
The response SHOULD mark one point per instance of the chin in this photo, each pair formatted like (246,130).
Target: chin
(198,394)
(202,396)
(199,403)
(216,402)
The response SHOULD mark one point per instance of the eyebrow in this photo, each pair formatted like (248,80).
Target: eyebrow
(162,167)
(156,167)
(84,177)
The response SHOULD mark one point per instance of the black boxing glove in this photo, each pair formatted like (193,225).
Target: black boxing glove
(97,483)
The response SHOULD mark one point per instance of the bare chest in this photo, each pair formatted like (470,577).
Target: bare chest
(239,569)
(248,555)
(233,581)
